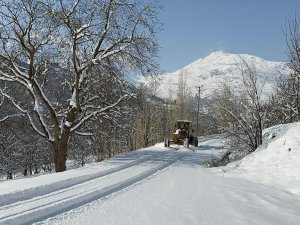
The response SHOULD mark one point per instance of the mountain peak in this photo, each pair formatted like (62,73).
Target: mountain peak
(221,56)
(233,56)
(217,53)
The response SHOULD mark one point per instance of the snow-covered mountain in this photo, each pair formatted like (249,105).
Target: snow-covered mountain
(220,67)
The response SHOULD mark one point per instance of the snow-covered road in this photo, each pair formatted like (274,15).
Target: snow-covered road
(50,201)
(153,186)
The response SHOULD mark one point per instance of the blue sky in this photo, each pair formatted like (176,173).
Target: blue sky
(194,28)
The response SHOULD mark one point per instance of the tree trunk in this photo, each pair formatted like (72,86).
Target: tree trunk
(30,168)
(9,175)
(60,151)
(60,158)
(25,173)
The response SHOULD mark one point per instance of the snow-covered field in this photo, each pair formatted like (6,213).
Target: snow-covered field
(161,185)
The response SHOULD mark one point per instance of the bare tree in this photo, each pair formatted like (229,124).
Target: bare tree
(151,118)
(22,150)
(246,110)
(56,52)
(293,43)
(253,88)
(182,96)
(284,104)
(292,35)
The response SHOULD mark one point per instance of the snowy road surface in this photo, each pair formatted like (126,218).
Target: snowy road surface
(152,186)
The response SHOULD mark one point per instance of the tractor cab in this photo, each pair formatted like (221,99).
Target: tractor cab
(183,125)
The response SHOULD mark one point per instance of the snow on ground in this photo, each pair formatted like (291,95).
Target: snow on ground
(276,162)
(161,185)
(188,194)
(27,187)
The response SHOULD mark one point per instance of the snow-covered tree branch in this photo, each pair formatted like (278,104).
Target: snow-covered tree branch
(60,58)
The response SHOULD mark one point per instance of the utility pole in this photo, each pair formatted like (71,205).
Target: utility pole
(199,98)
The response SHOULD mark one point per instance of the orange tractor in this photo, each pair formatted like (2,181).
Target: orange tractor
(183,135)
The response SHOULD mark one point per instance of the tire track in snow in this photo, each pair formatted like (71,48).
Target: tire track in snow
(82,196)
(89,182)
(10,198)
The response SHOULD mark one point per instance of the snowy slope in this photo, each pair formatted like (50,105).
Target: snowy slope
(216,68)
(276,162)
(161,185)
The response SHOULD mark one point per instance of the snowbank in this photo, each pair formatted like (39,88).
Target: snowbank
(276,162)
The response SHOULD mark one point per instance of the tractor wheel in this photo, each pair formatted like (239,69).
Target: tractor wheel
(195,141)
(167,142)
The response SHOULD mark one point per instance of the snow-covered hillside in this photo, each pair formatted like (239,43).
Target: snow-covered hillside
(165,186)
(276,162)
(220,67)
